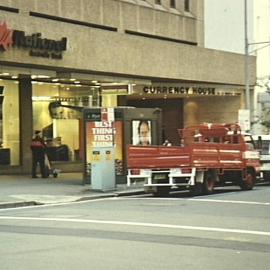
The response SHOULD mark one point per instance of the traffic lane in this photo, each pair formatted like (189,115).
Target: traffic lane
(249,209)
(231,192)
(136,233)
(66,248)
(207,213)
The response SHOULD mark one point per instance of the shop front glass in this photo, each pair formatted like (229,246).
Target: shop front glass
(9,123)
(57,112)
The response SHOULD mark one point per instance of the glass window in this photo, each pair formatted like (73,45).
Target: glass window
(172,4)
(9,123)
(57,112)
(187,5)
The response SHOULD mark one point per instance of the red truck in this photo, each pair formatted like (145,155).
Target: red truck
(209,155)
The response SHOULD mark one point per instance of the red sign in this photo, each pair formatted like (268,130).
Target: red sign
(6,40)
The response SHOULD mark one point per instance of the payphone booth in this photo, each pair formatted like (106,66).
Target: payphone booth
(107,133)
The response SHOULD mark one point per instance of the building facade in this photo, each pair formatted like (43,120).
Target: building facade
(58,56)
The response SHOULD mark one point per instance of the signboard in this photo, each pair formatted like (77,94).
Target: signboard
(35,43)
(244,119)
(116,89)
(105,134)
(107,114)
(183,90)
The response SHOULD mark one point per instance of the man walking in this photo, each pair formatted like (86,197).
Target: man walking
(38,148)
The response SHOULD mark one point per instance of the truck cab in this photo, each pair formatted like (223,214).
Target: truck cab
(262,144)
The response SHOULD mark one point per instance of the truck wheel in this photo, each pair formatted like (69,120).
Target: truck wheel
(209,180)
(249,182)
(196,190)
(162,191)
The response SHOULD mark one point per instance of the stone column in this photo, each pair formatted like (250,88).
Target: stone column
(26,122)
(190,113)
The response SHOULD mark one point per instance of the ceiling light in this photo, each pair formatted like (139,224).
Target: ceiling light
(43,76)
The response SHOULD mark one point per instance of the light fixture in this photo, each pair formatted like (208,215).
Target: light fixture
(43,76)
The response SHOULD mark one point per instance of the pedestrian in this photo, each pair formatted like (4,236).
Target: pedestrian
(38,148)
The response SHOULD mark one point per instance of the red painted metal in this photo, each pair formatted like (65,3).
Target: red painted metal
(218,146)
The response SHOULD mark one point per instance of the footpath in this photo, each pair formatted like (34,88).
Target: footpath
(22,190)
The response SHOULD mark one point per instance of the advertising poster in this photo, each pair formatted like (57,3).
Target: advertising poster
(105,134)
(141,132)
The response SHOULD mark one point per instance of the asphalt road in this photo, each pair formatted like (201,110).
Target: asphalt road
(227,230)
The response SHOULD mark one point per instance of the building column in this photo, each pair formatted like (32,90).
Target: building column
(26,122)
(190,113)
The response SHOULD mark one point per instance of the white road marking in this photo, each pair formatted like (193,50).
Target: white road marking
(200,200)
(230,201)
(141,197)
(140,224)
(55,204)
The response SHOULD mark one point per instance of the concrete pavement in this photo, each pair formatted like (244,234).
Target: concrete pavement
(22,190)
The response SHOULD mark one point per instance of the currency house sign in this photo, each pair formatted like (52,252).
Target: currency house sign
(184,90)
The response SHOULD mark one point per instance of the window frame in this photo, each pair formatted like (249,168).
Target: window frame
(172,4)
(187,5)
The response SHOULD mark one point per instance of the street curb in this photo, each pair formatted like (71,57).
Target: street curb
(85,198)
(116,194)
(18,204)
(129,193)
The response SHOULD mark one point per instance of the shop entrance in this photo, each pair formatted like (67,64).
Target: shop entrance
(172,115)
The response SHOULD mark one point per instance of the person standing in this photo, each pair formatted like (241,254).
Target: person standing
(38,148)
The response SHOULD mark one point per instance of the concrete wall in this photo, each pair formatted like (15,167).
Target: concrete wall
(111,52)
(211,109)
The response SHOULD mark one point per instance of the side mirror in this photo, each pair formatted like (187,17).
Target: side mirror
(259,146)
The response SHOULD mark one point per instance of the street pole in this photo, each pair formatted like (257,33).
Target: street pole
(247,90)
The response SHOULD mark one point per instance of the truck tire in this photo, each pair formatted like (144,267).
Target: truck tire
(249,182)
(209,181)
(162,191)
